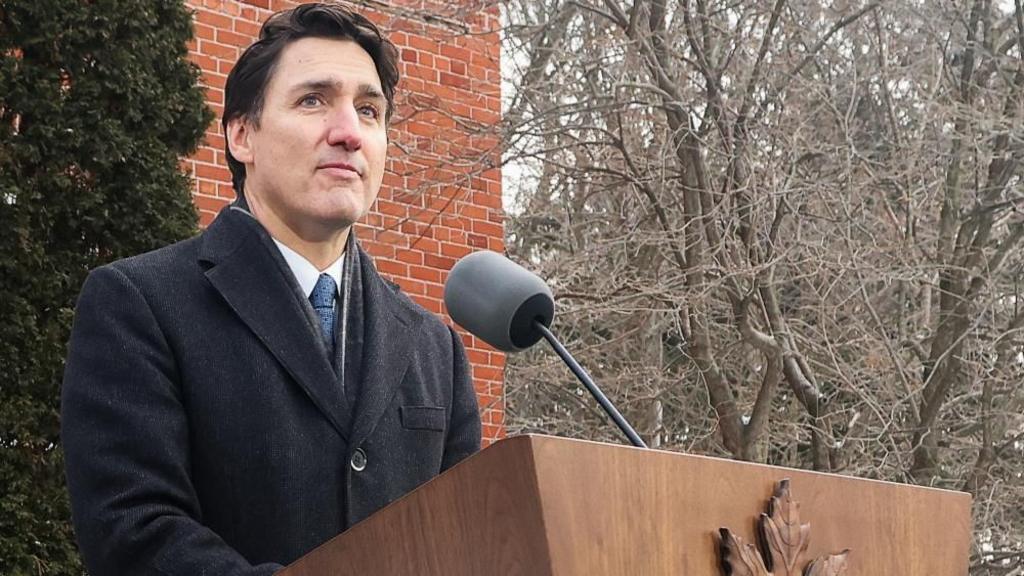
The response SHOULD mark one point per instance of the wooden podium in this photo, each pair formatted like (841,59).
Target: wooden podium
(538,506)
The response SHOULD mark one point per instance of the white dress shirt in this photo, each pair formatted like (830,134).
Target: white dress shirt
(306,273)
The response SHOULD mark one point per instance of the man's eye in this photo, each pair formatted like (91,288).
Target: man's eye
(369,111)
(310,100)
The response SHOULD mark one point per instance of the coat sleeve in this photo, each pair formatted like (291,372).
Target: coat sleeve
(464,420)
(125,434)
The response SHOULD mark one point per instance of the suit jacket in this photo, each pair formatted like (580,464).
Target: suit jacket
(204,429)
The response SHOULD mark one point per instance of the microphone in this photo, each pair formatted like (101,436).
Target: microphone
(498,300)
(511,308)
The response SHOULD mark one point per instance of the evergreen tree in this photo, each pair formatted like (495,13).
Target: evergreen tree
(97,105)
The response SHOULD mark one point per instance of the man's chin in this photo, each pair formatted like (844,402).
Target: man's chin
(340,219)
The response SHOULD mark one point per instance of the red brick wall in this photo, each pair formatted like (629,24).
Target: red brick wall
(441,197)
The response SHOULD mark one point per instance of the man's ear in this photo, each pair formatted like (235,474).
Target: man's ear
(239,143)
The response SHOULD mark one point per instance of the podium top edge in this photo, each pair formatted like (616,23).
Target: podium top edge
(538,440)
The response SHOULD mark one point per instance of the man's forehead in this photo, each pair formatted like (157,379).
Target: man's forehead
(327,64)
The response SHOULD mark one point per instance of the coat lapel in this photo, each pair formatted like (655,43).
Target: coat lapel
(253,278)
(390,328)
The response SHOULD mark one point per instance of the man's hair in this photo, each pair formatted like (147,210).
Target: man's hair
(245,92)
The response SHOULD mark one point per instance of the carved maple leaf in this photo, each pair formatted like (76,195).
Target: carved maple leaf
(834,565)
(738,557)
(783,543)
(786,539)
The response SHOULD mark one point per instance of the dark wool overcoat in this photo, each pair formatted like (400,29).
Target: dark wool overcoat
(205,429)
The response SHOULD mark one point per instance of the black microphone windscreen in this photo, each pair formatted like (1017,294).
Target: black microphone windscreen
(498,300)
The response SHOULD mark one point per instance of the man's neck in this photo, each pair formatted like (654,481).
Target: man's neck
(321,247)
(320,254)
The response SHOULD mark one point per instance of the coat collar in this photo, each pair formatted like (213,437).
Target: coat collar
(390,326)
(250,274)
(252,277)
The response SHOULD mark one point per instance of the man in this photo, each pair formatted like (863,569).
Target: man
(234,400)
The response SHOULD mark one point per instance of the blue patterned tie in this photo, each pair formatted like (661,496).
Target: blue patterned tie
(322,300)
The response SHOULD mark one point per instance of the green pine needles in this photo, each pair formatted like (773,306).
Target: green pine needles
(97,104)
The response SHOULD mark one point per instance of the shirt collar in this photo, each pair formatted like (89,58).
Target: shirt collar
(305,272)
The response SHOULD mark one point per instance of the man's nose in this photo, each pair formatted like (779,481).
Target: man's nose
(345,129)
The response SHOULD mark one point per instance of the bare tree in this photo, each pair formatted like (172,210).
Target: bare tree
(782,232)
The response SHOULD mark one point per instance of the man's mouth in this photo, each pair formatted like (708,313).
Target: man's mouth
(339,170)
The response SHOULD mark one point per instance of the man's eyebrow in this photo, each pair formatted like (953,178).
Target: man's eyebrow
(370,91)
(315,86)
(365,90)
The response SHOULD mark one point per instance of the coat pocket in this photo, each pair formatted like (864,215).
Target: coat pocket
(423,418)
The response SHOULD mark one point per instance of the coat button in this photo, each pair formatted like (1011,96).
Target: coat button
(359,460)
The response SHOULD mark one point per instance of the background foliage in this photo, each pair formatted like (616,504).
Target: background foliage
(97,104)
(783,231)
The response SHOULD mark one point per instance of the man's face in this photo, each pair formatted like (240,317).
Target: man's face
(315,162)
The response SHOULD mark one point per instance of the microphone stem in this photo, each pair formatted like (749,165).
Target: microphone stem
(591,386)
